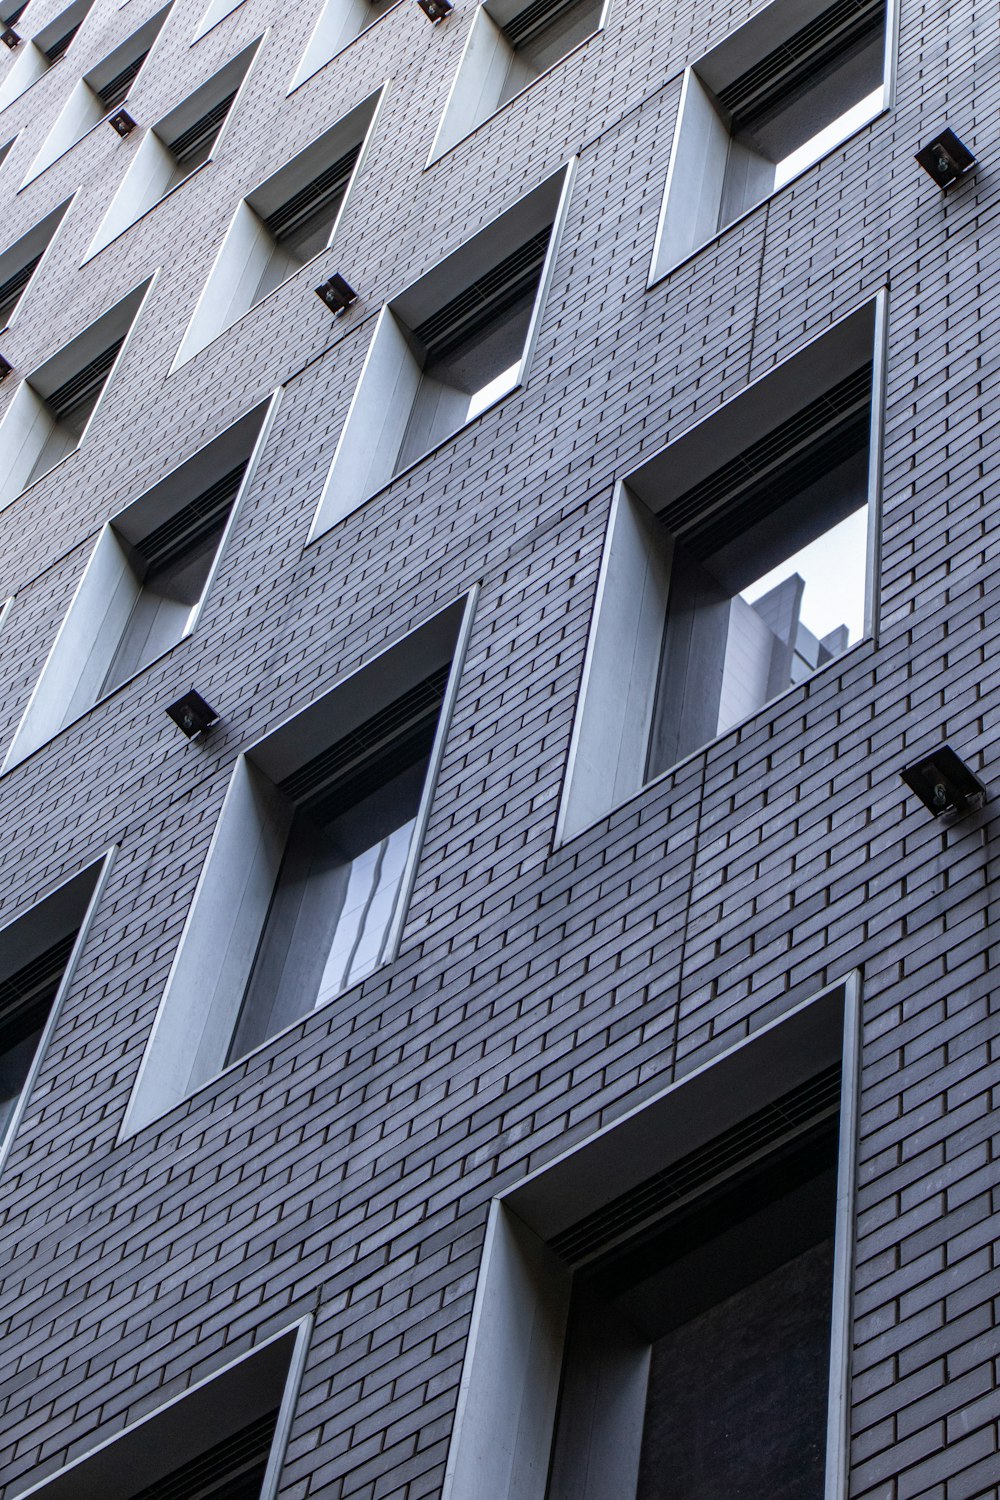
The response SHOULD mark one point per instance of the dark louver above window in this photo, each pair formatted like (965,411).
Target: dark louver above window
(486,298)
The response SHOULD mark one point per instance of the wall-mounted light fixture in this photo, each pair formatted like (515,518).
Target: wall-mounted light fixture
(122,122)
(946,159)
(193,715)
(945,785)
(337,294)
(10,38)
(436,10)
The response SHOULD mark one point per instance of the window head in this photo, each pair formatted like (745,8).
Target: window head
(763,106)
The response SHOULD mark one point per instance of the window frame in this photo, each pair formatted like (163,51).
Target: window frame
(633,552)
(663,262)
(506,1415)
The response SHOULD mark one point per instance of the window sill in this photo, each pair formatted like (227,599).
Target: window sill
(559,844)
(341,50)
(93,254)
(63,154)
(656,277)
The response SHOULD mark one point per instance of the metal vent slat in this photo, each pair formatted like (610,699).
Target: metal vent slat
(811,1102)
(226,1471)
(486,298)
(723,487)
(761,87)
(398,721)
(85,384)
(533,19)
(203,131)
(115,90)
(187,527)
(26,995)
(11,289)
(318,194)
(57,49)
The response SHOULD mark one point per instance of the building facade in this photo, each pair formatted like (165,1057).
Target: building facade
(511,1032)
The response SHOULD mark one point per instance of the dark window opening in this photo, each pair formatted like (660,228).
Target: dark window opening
(301,226)
(194,144)
(116,89)
(767,571)
(26,998)
(58,47)
(13,287)
(234,1469)
(541,34)
(350,815)
(720,1269)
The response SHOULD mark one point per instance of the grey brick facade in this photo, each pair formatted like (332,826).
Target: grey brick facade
(346,1169)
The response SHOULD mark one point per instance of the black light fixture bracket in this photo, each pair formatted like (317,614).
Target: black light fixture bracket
(436,10)
(10,38)
(946,159)
(945,785)
(122,122)
(336,294)
(193,715)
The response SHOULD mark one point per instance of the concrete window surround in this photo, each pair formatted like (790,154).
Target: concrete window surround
(254,259)
(220,1405)
(377,441)
(113,589)
(204,994)
(611,741)
(85,108)
(497,63)
(339,23)
(215,11)
(67,909)
(175,147)
(38,430)
(510,1386)
(36,57)
(22,262)
(721,166)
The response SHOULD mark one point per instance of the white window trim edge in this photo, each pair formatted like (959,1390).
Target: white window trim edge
(105,861)
(434,154)
(294,87)
(5,609)
(391,951)
(320,526)
(10,764)
(42,263)
(880,303)
(279,1442)
(152,279)
(199,32)
(889,68)
(177,363)
(841,1330)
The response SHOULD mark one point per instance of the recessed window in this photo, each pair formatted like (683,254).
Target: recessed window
(37,954)
(146,581)
(12,11)
(508,47)
(52,409)
(446,349)
(340,21)
(279,227)
(766,104)
(45,48)
(662,1311)
(222,1439)
(215,11)
(176,146)
(737,564)
(97,95)
(19,264)
(306,885)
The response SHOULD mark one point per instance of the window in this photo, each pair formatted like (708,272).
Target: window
(441,357)
(38,953)
(306,884)
(222,1439)
(737,564)
(671,1297)
(176,146)
(52,409)
(46,47)
(12,11)
(97,95)
(281,225)
(340,21)
(144,586)
(19,264)
(766,104)
(509,46)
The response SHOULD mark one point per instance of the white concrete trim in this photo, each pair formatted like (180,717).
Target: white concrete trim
(215,11)
(102,865)
(301,76)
